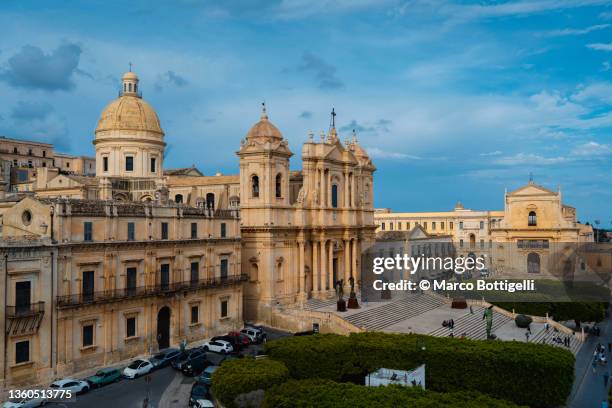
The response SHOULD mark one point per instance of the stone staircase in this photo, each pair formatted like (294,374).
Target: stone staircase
(548,337)
(314,304)
(388,314)
(472,325)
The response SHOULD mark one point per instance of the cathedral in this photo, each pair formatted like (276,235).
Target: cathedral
(105,265)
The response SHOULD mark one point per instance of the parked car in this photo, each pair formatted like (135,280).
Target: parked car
(233,340)
(137,368)
(70,384)
(198,392)
(219,346)
(24,403)
(183,360)
(206,376)
(257,336)
(195,365)
(104,376)
(242,338)
(204,403)
(164,358)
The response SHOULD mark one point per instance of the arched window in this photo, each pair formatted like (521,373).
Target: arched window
(472,240)
(255,186)
(210,201)
(532,220)
(334,196)
(178,198)
(278,184)
(533,263)
(130,87)
(135,87)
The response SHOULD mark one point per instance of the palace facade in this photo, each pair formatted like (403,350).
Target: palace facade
(106,264)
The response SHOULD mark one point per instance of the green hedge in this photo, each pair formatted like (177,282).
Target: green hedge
(560,311)
(525,373)
(326,393)
(245,375)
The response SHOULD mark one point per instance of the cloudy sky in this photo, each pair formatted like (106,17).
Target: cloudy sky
(455,100)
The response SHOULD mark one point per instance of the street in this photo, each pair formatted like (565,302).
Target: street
(125,393)
(589,390)
(131,393)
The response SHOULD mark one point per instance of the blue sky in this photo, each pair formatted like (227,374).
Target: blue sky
(455,100)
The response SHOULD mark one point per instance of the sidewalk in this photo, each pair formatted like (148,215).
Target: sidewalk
(588,390)
(177,393)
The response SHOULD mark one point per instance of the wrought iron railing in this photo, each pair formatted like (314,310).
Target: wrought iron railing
(143,291)
(25,310)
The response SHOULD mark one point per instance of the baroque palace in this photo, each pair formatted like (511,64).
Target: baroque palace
(108,258)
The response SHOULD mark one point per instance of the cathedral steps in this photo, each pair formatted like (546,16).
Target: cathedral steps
(388,314)
(472,325)
(548,337)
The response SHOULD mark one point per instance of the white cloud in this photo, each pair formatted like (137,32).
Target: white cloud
(529,158)
(489,154)
(592,149)
(376,153)
(600,46)
(575,31)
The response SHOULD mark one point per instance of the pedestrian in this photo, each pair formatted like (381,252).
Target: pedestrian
(609,347)
(471,310)
(594,364)
(546,327)
(527,336)
(606,377)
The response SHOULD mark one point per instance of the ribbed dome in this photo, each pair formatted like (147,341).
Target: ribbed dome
(129,112)
(264,129)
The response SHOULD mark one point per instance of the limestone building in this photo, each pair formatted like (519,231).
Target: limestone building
(99,268)
(517,240)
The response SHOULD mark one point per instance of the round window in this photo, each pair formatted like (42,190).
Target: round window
(26,217)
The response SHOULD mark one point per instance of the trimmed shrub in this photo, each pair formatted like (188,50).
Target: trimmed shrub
(242,376)
(560,311)
(326,393)
(523,321)
(530,374)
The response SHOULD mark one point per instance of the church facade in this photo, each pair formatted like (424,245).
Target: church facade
(100,268)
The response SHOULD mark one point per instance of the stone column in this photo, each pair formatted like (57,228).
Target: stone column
(301,265)
(347,202)
(330,272)
(347,260)
(355,273)
(315,266)
(323,270)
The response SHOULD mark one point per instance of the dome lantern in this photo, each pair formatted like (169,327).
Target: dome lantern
(130,83)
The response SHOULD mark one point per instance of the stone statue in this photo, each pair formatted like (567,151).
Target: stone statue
(488,316)
(300,197)
(352,283)
(340,290)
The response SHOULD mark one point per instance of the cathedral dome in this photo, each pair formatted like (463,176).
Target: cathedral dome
(264,130)
(129,111)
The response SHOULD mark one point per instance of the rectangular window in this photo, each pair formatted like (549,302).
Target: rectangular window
(164,278)
(382,226)
(130,231)
(195,312)
(399,225)
(460,225)
(425,225)
(433,225)
(224,269)
(87,231)
(481,224)
(88,335)
(442,225)
(224,304)
(482,244)
(195,272)
(129,163)
(408,225)
(194,230)
(44,153)
(450,225)
(130,327)
(87,285)
(22,351)
(153,165)
(22,296)
(390,226)
(461,243)
(130,280)
(164,230)
(105,164)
